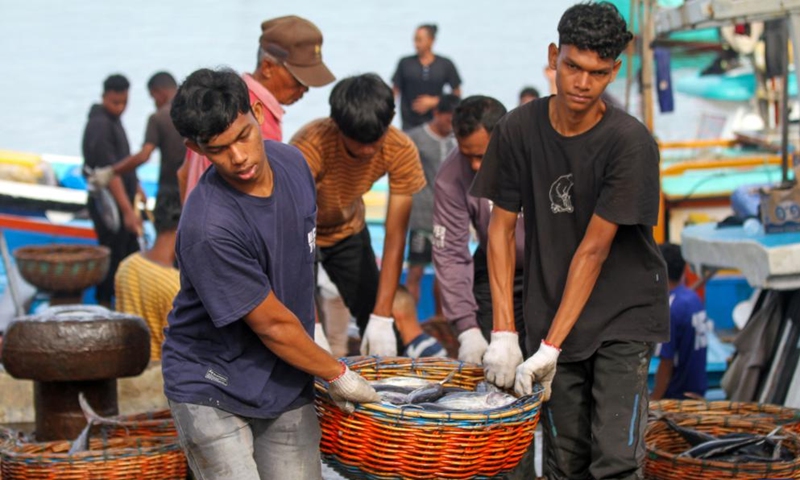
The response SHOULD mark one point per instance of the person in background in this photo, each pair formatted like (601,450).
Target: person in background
(160,134)
(528,94)
(404,310)
(347,152)
(239,359)
(420,79)
(289,62)
(104,144)
(147,282)
(434,140)
(681,370)
(463,277)
(586,176)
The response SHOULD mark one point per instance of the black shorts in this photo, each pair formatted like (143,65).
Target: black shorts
(420,247)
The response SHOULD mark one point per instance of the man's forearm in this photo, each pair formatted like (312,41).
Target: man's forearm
(391,265)
(501,259)
(117,190)
(284,335)
(663,375)
(131,163)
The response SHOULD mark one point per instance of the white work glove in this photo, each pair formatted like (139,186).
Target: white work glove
(541,367)
(349,388)
(101,176)
(379,338)
(472,345)
(320,338)
(501,359)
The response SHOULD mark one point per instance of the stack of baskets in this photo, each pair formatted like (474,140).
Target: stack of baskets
(384,441)
(143,447)
(665,446)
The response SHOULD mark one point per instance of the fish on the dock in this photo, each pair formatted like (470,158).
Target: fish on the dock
(430,392)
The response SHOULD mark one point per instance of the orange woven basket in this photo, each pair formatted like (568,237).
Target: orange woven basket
(128,458)
(63,268)
(381,441)
(788,417)
(150,424)
(664,447)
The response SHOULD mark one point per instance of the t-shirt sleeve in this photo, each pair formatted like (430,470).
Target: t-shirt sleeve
(100,148)
(152,134)
(451,256)
(630,191)
(453,78)
(499,176)
(406,176)
(226,276)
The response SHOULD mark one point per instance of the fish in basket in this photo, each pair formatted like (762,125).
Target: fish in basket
(718,447)
(437,419)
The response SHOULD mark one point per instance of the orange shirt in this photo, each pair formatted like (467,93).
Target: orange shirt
(342,180)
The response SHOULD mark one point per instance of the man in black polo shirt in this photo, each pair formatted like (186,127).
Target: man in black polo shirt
(587,177)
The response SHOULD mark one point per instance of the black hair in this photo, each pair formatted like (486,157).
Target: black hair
(162,80)
(475,112)
(675,262)
(447,103)
(594,26)
(208,102)
(168,210)
(529,92)
(362,107)
(431,28)
(116,83)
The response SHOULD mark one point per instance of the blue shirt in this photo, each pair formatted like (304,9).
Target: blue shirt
(234,249)
(688,344)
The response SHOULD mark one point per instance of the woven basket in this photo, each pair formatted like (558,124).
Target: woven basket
(380,441)
(664,446)
(150,424)
(126,458)
(778,415)
(63,268)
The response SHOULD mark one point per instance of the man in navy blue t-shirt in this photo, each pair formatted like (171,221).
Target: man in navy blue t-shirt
(682,369)
(239,355)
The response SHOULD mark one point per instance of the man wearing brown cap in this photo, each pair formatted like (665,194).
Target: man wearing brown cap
(289,62)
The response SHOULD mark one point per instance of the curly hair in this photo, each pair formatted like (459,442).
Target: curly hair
(594,26)
(208,102)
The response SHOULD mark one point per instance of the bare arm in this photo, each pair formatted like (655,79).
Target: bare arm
(183,178)
(284,335)
(583,272)
(502,260)
(131,162)
(663,375)
(397,215)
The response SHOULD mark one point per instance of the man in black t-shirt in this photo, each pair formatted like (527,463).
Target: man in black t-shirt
(586,175)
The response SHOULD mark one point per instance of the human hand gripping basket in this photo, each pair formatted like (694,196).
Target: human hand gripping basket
(665,445)
(380,440)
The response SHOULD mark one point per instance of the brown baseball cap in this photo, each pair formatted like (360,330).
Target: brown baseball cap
(298,43)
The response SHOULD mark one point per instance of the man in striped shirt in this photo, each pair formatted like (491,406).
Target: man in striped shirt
(347,153)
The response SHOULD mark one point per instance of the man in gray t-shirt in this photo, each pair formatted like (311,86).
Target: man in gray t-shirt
(434,140)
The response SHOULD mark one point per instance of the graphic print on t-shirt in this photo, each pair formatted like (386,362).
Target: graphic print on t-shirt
(560,198)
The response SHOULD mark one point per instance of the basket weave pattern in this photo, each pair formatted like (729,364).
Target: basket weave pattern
(128,458)
(63,268)
(788,417)
(664,446)
(383,441)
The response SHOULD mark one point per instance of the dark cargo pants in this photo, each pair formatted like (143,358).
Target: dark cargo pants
(594,423)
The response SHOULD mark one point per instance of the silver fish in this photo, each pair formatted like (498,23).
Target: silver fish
(403,382)
(476,401)
(395,398)
(430,392)
(81,443)
(486,387)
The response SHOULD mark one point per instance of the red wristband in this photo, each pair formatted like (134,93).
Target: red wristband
(545,342)
(341,374)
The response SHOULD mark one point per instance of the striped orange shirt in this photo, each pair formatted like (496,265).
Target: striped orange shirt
(342,180)
(147,289)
